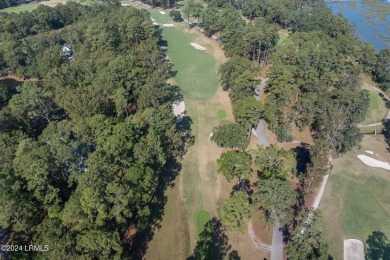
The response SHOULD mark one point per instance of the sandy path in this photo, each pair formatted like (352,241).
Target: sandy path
(318,197)
(256,242)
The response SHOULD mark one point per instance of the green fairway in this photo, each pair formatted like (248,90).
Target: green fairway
(356,201)
(202,217)
(374,101)
(20,8)
(196,75)
(366,203)
(377,108)
(196,69)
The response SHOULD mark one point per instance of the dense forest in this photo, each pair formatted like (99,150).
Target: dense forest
(88,144)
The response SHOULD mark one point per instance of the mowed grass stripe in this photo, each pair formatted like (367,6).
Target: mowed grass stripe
(196,70)
(201,219)
(20,8)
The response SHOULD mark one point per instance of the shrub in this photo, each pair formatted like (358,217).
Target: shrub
(230,135)
(176,16)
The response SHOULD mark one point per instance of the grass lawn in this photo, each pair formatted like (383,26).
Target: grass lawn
(222,114)
(20,8)
(376,110)
(371,129)
(202,217)
(356,201)
(283,34)
(196,69)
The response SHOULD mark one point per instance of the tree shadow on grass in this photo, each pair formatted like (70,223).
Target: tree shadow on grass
(157,204)
(140,241)
(174,93)
(213,243)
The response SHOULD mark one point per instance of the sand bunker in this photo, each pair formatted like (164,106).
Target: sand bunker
(162,12)
(154,23)
(151,18)
(373,162)
(211,135)
(370,152)
(197,46)
(178,107)
(353,249)
(254,131)
(168,25)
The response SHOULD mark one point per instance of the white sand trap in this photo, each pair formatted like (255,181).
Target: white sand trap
(211,135)
(151,18)
(353,249)
(370,152)
(168,25)
(178,107)
(254,131)
(373,162)
(197,46)
(162,12)
(154,23)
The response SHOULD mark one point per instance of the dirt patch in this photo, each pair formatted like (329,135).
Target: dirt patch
(263,232)
(245,248)
(304,136)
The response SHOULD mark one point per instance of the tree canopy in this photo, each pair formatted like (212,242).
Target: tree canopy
(308,238)
(275,198)
(273,162)
(230,135)
(236,212)
(378,246)
(234,164)
(84,142)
